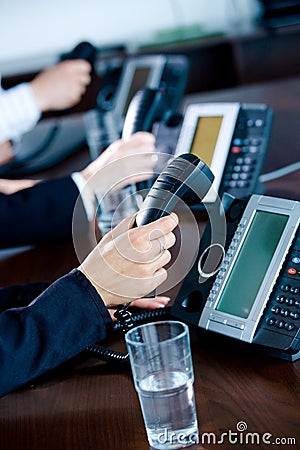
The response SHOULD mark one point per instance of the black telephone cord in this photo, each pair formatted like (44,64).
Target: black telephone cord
(126,321)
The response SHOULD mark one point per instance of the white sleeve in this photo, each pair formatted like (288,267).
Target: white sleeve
(19,111)
(86,194)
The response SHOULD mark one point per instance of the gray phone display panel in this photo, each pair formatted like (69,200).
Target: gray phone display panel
(251,266)
(252,263)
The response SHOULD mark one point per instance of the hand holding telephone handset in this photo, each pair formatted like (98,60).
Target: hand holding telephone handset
(186,178)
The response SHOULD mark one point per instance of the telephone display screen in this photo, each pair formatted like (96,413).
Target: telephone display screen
(139,81)
(205,137)
(252,263)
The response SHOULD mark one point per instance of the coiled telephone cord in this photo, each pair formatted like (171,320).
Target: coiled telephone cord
(125,322)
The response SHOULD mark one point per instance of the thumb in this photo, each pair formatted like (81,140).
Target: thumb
(122,227)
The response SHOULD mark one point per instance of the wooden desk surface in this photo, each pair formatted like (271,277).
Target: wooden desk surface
(86,405)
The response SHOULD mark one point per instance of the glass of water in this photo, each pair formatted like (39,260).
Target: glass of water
(161,364)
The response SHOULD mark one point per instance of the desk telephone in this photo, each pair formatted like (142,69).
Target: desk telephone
(231,138)
(165,73)
(252,293)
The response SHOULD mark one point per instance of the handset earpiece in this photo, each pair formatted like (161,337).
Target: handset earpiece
(83,50)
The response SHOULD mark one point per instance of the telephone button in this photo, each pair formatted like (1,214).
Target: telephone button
(248,160)
(294,315)
(294,290)
(245,176)
(270,321)
(216,318)
(281,298)
(292,271)
(242,184)
(296,260)
(246,168)
(297,304)
(285,287)
(259,123)
(275,309)
(285,312)
(237,142)
(289,326)
(290,301)
(279,323)
(234,324)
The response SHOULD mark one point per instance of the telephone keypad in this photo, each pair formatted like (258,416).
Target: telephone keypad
(286,302)
(247,151)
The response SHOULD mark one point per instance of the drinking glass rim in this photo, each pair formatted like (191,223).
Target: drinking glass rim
(184,325)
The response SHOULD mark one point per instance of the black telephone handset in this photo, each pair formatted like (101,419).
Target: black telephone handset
(185,178)
(84,50)
(146,107)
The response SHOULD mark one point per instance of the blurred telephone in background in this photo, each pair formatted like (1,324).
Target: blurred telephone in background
(165,73)
(231,138)
(53,139)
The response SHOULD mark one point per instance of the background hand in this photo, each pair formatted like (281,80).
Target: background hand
(61,86)
(122,163)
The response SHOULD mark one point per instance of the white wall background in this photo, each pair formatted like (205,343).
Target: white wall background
(31,30)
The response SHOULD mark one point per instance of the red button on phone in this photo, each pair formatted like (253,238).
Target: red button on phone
(292,271)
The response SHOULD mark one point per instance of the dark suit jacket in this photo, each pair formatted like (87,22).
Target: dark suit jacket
(41,329)
(38,214)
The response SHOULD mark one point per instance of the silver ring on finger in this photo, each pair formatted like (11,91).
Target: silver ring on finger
(163,247)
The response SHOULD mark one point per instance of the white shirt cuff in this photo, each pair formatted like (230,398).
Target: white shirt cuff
(86,194)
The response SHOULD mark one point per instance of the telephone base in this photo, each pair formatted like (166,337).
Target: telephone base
(279,354)
(269,351)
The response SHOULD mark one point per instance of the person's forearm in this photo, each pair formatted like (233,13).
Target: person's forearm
(39,214)
(59,324)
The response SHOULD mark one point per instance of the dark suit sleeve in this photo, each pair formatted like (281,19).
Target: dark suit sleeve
(59,324)
(38,214)
(20,294)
